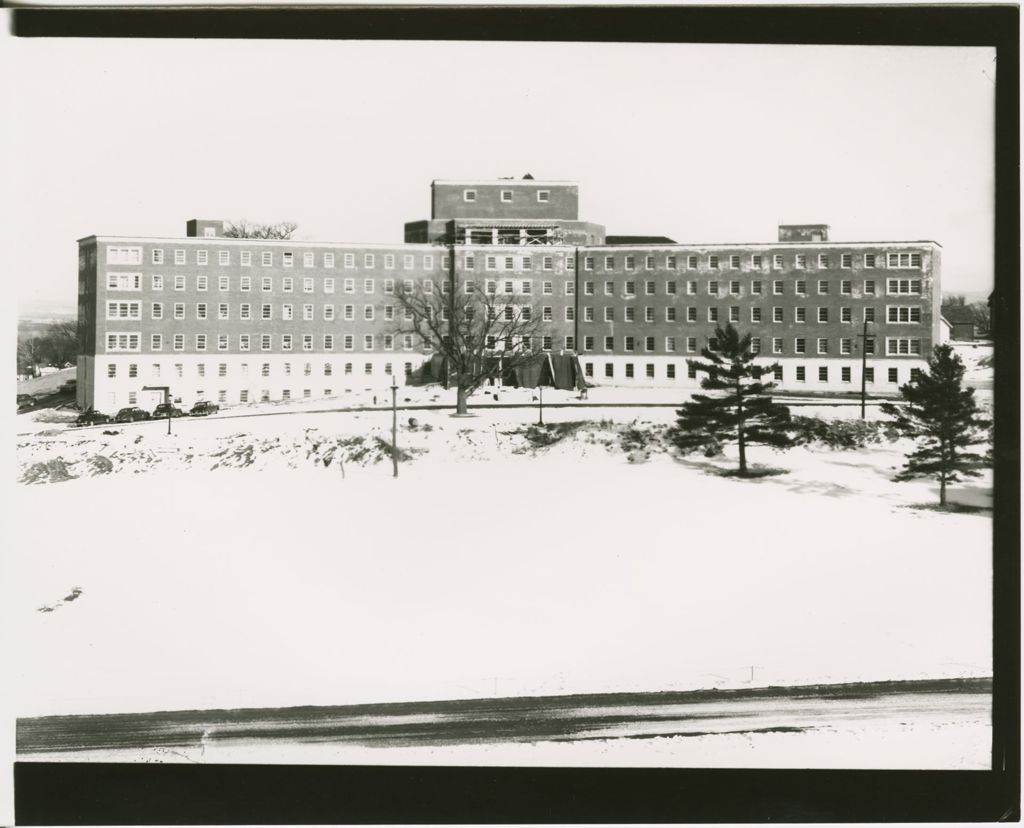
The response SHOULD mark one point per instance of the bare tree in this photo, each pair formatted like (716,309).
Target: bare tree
(244,229)
(481,334)
(30,355)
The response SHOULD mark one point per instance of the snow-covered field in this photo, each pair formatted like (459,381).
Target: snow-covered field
(490,567)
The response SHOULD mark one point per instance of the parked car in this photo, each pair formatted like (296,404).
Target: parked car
(130,414)
(167,409)
(91,417)
(204,408)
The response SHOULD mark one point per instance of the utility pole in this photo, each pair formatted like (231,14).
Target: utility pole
(863,366)
(540,389)
(167,399)
(394,425)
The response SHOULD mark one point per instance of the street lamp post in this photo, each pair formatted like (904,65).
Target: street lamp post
(540,389)
(167,399)
(394,426)
(863,367)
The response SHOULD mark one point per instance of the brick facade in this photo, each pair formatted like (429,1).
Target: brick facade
(240,320)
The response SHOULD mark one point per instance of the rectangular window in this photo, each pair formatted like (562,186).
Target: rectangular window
(800,314)
(777,289)
(158,256)
(200,342)
(822,346)
(846,346)
(822,314)
(245,283)
(266,311)
(265,342)
(734,288)
(846,260)
(902,347)
(223,257)
(713,288)
(713,262)
(691,262)
(904,286)
(800,345)
(286,342)
(307,313)
(691,314)
(179,282)
(179,257)
(755,344)
(156,342)
(822,373)
(179,310)
(822,287)
(903,313)
(609,343)
(734,262)
(846,287)
(328,313)
(630,314)
(903,260)
(869,314)
(755,314)
(670,314)
(648,343)
(201,310)
(800,262)
(267,258)
(691,344)
(845,374)
(266,284)
(670,262)
(894,376)
(801,373)
(823,261)
(734,313)
(328,260)
(543,196)
(222,342)
(777,345)
(245,258)
(776,262)
(757,262)
(755,287)
(158,282)
(243,342)
(801,288)
(408,262)
(670,288)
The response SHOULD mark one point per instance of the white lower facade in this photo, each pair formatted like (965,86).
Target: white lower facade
(804,374)
(110,382)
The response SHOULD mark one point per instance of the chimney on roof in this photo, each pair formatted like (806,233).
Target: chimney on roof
(803,232)
(527,177)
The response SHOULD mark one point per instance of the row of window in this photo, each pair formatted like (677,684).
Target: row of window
(543,196)
(327,369)
(895,314)
(757,261)
(133,281)
(133,256)
(800,372)
(895,346)
(757,287)
(130,342)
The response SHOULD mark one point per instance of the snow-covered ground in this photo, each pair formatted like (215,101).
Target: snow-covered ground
(489,567)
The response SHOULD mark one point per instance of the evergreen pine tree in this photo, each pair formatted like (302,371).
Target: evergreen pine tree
(943,417)
(744,413)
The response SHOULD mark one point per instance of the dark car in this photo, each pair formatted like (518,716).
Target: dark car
(204,408)
(90,417)
(166,409)
(130,414)
(25,398)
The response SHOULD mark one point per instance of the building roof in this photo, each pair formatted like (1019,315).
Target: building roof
(639,240)
(958,315)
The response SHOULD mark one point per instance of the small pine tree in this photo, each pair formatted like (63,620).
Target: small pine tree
(943,417)
(744,414)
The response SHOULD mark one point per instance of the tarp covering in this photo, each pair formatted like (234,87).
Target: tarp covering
(550,370)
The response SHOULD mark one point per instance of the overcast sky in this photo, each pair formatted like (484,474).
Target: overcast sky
(703,143)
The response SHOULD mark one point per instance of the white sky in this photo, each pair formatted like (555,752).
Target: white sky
(702,143)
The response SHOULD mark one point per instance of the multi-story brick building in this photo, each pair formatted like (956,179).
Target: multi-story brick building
(247,320)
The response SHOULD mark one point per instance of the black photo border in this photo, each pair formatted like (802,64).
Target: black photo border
(145,794)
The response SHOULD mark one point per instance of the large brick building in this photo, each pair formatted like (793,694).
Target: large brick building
(246,320)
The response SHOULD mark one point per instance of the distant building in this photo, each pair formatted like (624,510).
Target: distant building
(247,320)
(962,324)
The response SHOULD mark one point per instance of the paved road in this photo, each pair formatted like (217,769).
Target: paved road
(531,719)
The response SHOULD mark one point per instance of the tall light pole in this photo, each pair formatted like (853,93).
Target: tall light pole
(394,426)
(863,367)
(540,389)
